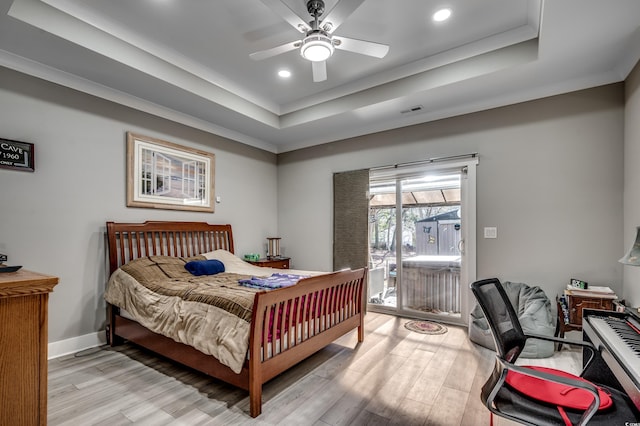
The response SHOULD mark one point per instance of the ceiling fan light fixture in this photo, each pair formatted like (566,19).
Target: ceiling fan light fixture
(316,47)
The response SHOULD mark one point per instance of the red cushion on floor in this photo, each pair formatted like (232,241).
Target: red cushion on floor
(556,393)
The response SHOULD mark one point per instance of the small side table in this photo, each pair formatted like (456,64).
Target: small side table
(275,262)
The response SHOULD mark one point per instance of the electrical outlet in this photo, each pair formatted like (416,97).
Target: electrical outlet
(490,232)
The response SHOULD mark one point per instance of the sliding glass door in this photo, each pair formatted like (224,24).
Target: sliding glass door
(419,224)
(382,243)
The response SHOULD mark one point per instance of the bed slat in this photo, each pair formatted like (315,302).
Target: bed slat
(308,312)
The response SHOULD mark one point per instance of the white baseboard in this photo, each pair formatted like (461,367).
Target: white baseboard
(75,344)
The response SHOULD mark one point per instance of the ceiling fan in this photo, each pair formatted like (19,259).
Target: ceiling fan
(319,43)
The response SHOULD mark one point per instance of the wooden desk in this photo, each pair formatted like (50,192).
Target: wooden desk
(276,262)
(578,303)
(575,306)
(24,299)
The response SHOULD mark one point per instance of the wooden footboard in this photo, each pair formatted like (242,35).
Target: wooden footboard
(294,322)
(298,321)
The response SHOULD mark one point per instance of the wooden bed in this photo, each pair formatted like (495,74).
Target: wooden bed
(318,322)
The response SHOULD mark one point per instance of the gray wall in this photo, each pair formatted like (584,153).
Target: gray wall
(53,220)
(550,178)
(632,182)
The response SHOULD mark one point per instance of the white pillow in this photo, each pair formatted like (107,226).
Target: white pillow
(233,263)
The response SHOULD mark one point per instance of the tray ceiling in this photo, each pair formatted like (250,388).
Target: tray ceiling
(189,61)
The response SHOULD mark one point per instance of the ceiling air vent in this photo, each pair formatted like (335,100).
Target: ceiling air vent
(412,109)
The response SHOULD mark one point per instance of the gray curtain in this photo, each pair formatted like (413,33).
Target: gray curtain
(350,219)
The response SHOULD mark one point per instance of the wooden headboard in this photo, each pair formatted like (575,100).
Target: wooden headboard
(128,241)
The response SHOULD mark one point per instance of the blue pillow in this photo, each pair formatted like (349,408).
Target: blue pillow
(204,267)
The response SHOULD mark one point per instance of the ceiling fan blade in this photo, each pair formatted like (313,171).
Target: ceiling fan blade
(319,70)
(362,47)
(340,13)
(268,53)
(281,9)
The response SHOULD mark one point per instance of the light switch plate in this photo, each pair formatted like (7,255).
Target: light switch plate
(490,232)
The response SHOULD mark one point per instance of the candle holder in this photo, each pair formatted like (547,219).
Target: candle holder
(273,247)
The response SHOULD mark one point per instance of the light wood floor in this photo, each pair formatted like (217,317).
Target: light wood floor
(395,377)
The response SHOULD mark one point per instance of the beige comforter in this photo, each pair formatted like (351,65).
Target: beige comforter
(209,313)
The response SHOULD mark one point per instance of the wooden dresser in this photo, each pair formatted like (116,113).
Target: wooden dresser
(24,297)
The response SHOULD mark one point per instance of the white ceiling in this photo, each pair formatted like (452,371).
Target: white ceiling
(189,61)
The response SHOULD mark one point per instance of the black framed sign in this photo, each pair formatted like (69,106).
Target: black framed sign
(16,155)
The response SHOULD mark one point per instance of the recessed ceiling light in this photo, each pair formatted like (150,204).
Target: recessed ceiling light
(284,73)
(442,15)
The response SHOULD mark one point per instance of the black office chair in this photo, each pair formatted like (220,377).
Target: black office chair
(537,396)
